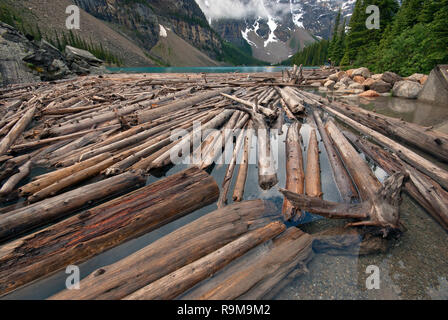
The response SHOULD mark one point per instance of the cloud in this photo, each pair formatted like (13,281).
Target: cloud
(240,9)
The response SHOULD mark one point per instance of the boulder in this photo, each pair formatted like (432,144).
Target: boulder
(368,82)
(435,89)
(334,77)
(416,77)
(339,85)
(356,86)
(346,81)
(359,79)
(423,79)
(364,72)
(349,73)
(329,84)
(74,54)
(369,94)
(407,89)
(377,76)
(380,86)
(391,77)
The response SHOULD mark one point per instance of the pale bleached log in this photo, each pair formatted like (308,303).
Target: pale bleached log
(16,131)
(313,186)
(238,193)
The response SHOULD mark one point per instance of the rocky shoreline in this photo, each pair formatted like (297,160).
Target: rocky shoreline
(363,83)
(24,60)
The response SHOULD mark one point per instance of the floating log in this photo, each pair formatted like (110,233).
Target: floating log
(313,186)
(433,198)
(343,180)
(149,115)
(168,254)
(174,284)
(94,231)
(426,139)
(238,192)
(295,175)
(16,131)
(12,182)
(254,278)
(17,222)
(292,101)
(435,172)
(265,111)
(267,174)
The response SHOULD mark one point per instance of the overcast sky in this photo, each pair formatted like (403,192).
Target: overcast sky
(236,9)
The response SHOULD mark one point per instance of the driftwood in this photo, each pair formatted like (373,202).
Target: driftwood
(16,131)
(295,175)
(199,238)
(174,284)
(292,101)
(428,193)
(85,235)
(313,186)
(240,184)
(17,222)
(255,277)
(343,180)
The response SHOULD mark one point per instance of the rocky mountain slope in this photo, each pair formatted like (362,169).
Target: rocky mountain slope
(274,29)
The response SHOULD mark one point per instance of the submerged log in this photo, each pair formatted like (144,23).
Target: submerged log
(295,175)
(94,231)
(343,180)
(254,277)
(176,283)
(313,186)
(238,192)
(174,251)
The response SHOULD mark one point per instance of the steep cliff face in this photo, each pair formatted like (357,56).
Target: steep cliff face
(140,20)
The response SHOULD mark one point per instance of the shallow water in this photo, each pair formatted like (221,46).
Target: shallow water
(415,267)
(241,69)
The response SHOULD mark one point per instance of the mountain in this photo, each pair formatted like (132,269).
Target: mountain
(273,30)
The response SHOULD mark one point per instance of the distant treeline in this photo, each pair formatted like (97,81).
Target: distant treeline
(412,38)
(60,41)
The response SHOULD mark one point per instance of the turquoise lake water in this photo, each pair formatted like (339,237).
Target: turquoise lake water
(201,69)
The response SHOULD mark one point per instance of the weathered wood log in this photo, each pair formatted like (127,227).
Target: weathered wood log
(424,138)
(435,172)
(343,180)
(295,175)
(12,182)
(385,200)
(17,222)
(364,178)
(149,115)
(85,235)
(382,210)
(16,131)
(238,193)
(253,278)
(222,201)
(168,254)
(292,101)
(267,173)
(174,284)
(431,195)
(268,113)
(313,186)
(53,177)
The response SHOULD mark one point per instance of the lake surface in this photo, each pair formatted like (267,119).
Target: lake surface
(415,267)
(202,69)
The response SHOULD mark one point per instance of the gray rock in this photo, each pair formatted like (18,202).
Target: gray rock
(391,77)
(380,86)
(364,72)
(356,86)
(435,89)
(334,77)
(407,89)
(73,54)
(416,77)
